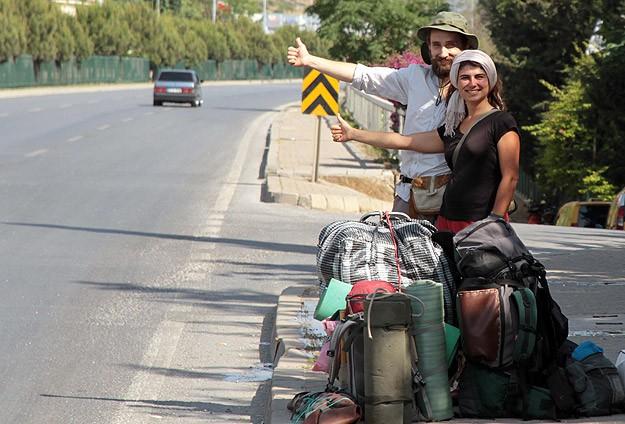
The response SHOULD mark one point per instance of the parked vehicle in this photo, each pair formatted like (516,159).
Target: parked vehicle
(178,86)
(616,216)
(590,214)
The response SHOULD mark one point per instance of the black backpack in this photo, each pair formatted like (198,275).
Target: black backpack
(508,319)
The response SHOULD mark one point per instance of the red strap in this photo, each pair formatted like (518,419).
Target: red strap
(392,232)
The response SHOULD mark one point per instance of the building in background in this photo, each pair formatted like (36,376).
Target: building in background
(69,6)
(277,20)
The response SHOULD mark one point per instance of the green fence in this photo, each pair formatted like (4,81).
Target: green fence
(23,72)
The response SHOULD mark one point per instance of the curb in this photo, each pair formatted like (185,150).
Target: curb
(292,360)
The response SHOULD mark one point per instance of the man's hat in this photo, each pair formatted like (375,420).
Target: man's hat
(450,22)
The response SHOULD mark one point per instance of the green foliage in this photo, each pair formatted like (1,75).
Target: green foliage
(537,40)
(234,40)
(370,30)
(285,36)
(194,51)
(168,46)
(65,42)
(595,186)
(42,23)
(83,47)
(259,45)
(142,23)
(13,33)
(109,31)
(566,145)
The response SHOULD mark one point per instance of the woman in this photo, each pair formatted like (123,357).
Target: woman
(487,168)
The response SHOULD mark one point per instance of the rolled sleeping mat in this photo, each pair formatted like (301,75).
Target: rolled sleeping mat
(387,366)
(429,338)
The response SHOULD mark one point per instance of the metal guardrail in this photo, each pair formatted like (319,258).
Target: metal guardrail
(370,112)
(374,113)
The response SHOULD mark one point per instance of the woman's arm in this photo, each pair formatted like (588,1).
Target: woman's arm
(508,150)
(424,142)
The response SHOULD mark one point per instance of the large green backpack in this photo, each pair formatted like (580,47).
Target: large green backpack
(509,322)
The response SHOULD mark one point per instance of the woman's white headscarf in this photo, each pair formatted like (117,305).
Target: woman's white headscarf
(455,108)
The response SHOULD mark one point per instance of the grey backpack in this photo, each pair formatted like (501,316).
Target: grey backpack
(597,385)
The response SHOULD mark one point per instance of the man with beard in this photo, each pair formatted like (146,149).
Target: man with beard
(423,89)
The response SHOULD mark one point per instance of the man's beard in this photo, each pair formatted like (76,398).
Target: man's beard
(441,67)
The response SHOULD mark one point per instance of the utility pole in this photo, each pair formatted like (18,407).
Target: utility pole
(265,27)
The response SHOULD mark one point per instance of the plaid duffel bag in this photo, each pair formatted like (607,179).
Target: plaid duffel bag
(352,251)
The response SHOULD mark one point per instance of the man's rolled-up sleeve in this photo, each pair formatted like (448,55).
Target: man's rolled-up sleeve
(383,82)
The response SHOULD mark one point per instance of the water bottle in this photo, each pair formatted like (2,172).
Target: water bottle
(620,365)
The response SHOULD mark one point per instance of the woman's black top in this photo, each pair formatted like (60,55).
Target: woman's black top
(471,192)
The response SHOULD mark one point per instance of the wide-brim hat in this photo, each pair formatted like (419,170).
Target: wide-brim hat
(450,22)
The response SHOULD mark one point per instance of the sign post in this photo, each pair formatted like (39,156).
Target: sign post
(320,97)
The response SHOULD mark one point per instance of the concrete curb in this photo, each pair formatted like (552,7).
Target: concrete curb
(292,360)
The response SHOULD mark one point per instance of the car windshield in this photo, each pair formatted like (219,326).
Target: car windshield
(176,76)
(593,216)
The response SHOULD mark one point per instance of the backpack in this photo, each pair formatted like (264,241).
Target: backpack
(509,322)
(595,380)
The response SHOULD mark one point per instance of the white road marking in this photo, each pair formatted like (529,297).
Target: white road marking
(73,139)
(36,153)
(103,127)
(147,384)
(127,119)
(65,105)
(35,109)
(92,102)
(3,115)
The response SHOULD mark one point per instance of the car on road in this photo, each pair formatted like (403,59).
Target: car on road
(617,212)
(178,86)
(589,214)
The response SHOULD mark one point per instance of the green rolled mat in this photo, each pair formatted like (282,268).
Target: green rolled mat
(429,337)
(387,361)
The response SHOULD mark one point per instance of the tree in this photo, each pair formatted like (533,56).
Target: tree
(168,46)
(83,44)
(234,40)
(604,87)
(537,40)
(13,34)
(107,29)
(65,42)
(42,23)
(194,51)
(370,30)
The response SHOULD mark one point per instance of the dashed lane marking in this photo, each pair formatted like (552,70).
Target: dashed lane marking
(103,127)
(73,139)
(36,153)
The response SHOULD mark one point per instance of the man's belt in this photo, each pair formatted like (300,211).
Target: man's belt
(431,183)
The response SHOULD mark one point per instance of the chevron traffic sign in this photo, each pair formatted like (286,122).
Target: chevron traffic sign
(320,94)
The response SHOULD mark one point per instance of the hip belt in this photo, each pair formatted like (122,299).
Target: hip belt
(426,183)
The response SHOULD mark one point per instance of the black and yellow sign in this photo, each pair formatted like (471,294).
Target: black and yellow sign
(320,94)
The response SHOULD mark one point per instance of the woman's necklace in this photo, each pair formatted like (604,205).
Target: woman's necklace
(441,89)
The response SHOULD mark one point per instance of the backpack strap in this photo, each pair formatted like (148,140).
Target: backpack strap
(333,350)
(464,137)
(528,321)
(526,340)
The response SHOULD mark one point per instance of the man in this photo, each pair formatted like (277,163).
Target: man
(422,89)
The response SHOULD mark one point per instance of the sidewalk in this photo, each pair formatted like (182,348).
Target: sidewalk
(343,169)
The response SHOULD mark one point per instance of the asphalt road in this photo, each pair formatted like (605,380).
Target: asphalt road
(140,270)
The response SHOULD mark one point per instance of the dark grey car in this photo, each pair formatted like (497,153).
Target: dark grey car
(178,86)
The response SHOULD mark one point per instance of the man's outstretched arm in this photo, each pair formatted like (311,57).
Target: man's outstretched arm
(299,56)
